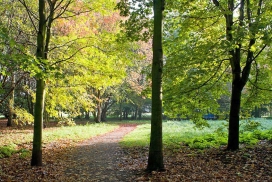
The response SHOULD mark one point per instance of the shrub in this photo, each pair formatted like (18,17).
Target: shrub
(7,151)
(23,117)
(66,122)
(24,153)
(250,125)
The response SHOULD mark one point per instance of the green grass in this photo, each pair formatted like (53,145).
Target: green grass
(178,133)
(11,140)
(138,137)
(78,132)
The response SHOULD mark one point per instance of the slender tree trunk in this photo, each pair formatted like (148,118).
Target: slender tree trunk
(233,137)
(98,116)
(136,113)
(155,157)
(94,113)
(120,111)
(38,124)
(36,159)
(87,115)
(140,114)
(30,103)
(11,102)
(257,113)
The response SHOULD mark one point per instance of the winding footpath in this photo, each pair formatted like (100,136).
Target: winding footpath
(99,158)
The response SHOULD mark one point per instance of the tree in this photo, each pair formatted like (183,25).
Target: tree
(139,27)
(249,22)
(14,40)
(155,157)
(42,49)
(217,43)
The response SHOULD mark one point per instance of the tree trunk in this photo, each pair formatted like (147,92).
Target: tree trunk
(87,115)
(257,113)
(233,137)
(104,112)
(94,116)
(120,111)
(155,157)
(140,114)
(136,113)
(36,159)
(98,116)
(11,102)
(38,124)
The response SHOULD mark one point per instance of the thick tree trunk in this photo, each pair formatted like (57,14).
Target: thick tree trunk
(155,157)
(104,113)
(233,137)
(38,124)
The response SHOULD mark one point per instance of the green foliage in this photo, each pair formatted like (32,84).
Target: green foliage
(66,122)
(23,117)
(177,134)
(7,151)
(197,62)
(24,153)
(249,125)
(139,24)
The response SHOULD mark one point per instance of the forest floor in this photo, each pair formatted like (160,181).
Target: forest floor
(102,159)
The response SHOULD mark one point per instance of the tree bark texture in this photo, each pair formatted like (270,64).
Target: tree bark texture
(233,136)
(155,157)
(38,124)
(11,102)
(36,159)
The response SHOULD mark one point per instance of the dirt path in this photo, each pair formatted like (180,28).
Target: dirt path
(99,158)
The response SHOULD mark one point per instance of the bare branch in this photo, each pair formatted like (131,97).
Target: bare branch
(12,88)
(259,88)
(259,52)
(63,9)
(208,80)
(31,15)
(71,56)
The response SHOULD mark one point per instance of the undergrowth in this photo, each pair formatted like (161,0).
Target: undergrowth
(9,150)
(177,134)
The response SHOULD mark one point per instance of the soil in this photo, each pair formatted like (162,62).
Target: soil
(100,158)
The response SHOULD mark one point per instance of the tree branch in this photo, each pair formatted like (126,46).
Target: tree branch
(30,14)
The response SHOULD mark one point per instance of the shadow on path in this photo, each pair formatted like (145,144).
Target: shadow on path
(99,158)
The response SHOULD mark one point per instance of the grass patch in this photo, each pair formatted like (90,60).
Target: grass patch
(180,133)
(78,132)
(139,137)
(15,140)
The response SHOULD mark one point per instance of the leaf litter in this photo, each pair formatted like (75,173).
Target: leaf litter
(102,159)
